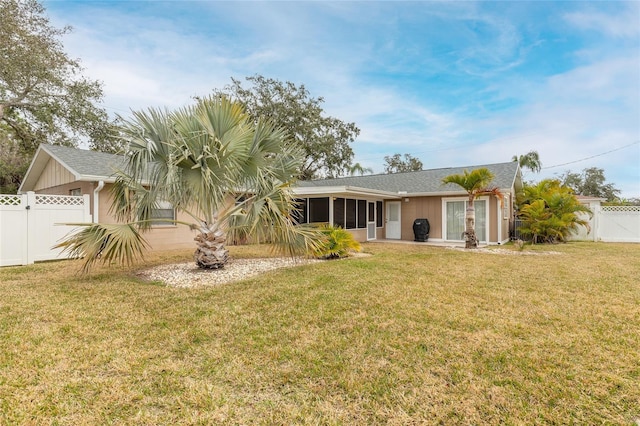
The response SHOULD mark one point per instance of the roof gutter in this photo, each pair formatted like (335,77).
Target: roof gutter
(96,200)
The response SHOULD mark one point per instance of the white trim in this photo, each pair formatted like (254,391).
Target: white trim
(374,222)
(342,192)
(466,199)
(331,200)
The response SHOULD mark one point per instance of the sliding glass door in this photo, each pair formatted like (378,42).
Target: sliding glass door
(455,213)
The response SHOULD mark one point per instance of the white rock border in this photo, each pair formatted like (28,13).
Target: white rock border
(188,275)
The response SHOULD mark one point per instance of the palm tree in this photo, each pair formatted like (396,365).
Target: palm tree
(230,175)
(530,160)
(476,183)
(357,168)
(550,212)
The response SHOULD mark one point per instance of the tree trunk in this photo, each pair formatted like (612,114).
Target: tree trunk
(211,252)
(470,239)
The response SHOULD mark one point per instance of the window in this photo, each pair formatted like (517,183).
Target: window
(379,214)
(75,191)
(164,210)
(505,207)
(351,213)
(338,212)
(299,213)
(372,212)
(318,210)
(362,213)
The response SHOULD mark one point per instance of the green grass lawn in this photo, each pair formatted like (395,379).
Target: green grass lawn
(409,335)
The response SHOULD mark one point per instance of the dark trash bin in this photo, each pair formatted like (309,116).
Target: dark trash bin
(421,230)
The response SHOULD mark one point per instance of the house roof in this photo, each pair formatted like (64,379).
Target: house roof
(423,182)
(85,165)
(95,166)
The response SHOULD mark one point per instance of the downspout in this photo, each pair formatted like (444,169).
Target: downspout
(96,200)
(500,220)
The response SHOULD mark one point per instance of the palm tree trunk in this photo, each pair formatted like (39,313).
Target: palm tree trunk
(211,252)
(470,238)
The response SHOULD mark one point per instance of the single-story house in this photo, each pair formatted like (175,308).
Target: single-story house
(385,206)
(62,170)
(371,207)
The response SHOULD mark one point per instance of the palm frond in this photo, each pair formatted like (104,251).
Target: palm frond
(120,243)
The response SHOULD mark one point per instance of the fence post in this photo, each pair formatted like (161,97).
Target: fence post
(31,235)
(597,212)
(86,216)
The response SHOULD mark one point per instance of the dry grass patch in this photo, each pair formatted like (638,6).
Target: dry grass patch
(409,335)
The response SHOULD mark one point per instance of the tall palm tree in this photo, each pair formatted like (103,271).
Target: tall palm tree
(530,160)
(476,183)
(229,174)
(357,168)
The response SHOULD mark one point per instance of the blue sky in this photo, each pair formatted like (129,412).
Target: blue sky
(452,83)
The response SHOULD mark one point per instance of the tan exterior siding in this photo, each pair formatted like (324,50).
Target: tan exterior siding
(505,230)
(54,174)
(429,208)
(418,208)
(494,205)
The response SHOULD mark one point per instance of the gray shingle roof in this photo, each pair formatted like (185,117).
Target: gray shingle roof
(84,162)
(420,182)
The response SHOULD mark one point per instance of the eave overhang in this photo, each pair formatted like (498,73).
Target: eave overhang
(344,191)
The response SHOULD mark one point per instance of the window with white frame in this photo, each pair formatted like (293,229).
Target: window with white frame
(163,210)
(455,212)
(506,208)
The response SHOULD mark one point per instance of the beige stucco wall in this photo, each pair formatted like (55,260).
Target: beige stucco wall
(360,235)
(164,237)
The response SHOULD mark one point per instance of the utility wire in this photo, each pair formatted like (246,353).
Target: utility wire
(593,156)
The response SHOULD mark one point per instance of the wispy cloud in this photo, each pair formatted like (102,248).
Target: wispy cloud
(621,22)
(453,83)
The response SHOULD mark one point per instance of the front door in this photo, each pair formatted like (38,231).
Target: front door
(393,220)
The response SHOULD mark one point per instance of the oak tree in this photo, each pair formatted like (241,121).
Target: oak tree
(44,98)
(325,140)
(397,164)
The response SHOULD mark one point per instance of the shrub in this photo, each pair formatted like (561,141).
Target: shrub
(336,243)
(549,212)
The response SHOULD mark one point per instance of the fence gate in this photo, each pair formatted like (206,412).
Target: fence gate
(29,225)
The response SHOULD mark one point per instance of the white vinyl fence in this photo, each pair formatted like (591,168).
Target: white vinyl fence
(30,225)
(616,224)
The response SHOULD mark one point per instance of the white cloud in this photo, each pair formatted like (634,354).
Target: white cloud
(366,64)
(624,24)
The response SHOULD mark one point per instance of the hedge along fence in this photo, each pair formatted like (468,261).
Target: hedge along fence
(615,224)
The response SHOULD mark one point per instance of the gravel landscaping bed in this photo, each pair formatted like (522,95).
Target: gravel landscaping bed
(189,275)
